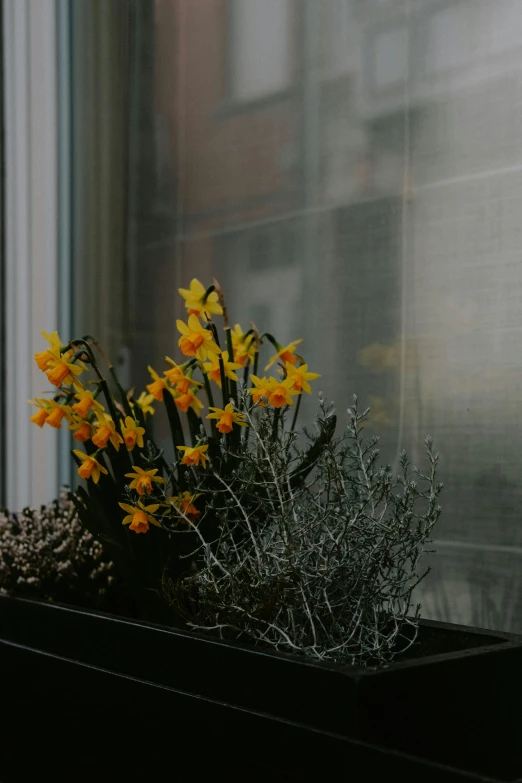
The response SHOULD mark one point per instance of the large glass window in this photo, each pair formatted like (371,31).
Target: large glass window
(370,203)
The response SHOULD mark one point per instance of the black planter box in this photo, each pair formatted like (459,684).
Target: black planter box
(137,694)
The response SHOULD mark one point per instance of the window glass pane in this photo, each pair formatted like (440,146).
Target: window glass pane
(373,209)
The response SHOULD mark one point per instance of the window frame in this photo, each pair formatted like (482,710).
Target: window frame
(30,259)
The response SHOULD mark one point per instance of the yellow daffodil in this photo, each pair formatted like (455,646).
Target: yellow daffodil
(90,467)
(43,358)
(281,392)
(188,400)
(54,419)
(194,455)
(227,417)
(184,503)
(62,371)
(195,340)
(53,339)
(177,377)
(57,412)
(144,403)
(286,354)
(142,480)
(82,430)
(156,388)
(260,389)
(138,518)
(244,346)
(39,417)
(85,402)
(42,413)
(211,368)
(132,433)
(195,300)
(301,376)
(105,432)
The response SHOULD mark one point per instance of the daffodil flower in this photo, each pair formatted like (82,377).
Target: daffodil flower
(156,388)
(144,403)
(90,467)
(132,433)
(39,417)
(62,371)
(188,400)
(176,376)
(184,503)
(57,412)
(138,518)
(260,389)
(301,376)
(82,430)
(194,455)
(244,346)
(227,417)
(213,371)
(42,413)
(85,402)
(105,432)
(142,480)
(53,339)
(43,358)
(195,301)
(285,353)
(281,392)
(195,340)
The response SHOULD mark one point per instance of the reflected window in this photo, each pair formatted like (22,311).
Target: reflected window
(259,48)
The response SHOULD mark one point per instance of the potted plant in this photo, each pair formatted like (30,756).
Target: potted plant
(272,580)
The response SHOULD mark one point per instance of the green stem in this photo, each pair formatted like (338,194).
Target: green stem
(176,431)
(208,390)
(224,381)
(230,348)
(210,397)
(212,326)
(103,382)
(272,339)
(224,384)
(124,399)
(246,372)
(195,423)
(208,292)
(276,422)
(296,411)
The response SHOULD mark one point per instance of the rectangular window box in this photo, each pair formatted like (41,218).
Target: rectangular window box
(130,690)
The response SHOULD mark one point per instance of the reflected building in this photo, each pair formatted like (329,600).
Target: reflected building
(351,172)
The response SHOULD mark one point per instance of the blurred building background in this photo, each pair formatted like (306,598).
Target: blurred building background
(351,172)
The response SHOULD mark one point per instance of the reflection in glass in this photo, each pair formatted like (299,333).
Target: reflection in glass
(369,203)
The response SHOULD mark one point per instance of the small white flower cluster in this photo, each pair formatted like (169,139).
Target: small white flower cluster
(47,553)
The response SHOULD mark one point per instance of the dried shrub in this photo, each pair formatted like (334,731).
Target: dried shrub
(321,563)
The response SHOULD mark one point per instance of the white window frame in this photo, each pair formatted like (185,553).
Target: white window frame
(31,239)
